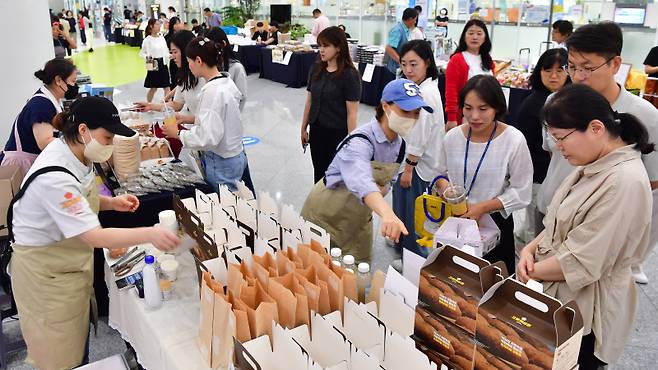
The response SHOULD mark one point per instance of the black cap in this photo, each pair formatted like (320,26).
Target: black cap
(96,112)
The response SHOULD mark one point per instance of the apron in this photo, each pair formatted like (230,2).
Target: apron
(54,293)
(341,213)
(18,157)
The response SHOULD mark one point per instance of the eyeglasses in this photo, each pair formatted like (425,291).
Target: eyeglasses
(584,71)
(560,140)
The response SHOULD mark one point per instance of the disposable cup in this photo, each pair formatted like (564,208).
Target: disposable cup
(455,195)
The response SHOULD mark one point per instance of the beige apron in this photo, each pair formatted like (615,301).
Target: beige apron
(53,288)
(341,213)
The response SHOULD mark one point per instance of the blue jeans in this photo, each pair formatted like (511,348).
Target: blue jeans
(223,171)
(404,204)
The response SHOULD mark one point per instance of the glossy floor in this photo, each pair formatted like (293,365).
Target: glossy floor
(279,166)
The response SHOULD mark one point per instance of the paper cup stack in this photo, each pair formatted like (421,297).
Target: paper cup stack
(126,155)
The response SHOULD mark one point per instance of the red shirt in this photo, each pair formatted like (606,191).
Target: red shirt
(456,78)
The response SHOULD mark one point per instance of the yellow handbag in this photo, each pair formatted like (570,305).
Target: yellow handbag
(431,211)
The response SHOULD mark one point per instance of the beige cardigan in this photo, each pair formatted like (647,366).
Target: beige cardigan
(597,226)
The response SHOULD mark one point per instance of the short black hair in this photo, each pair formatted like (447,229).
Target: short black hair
(206,9)
(409,13)
(194,21)
(171,8)
(564,27)
(259,24)
(274,24)
(550,58)
(418,8)
(604,39)
(488,89)
(317,11)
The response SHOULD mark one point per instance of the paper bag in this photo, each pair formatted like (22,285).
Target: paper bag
(290,282)
(207,308)
(267,205)
(223,330)
(286,303)
(235,280)
(263,310)
(242,331)
(376,285)
(227,200)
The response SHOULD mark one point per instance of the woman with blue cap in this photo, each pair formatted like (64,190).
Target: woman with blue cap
(360,175)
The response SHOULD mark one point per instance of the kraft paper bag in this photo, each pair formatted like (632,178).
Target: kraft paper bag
(207,308)
(261,309)
(294,257)
(334,285)
(235,279)
(284,265)
(261,274)
(286,303)
(348,282)
(313,295)
(242,332)
(324,305)
(223,329)
(290,282)
(376,284)
(308,256)
(239,306)
(267,261)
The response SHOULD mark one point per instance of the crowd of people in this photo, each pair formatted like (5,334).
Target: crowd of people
(580,160)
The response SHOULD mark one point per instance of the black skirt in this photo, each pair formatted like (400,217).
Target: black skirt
(159,78)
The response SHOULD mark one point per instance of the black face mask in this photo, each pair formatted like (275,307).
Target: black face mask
(72,92)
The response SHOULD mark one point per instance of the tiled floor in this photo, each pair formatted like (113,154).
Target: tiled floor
(279,166)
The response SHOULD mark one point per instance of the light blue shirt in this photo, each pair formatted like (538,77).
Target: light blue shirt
(397,35)
(215,20)
(351,165)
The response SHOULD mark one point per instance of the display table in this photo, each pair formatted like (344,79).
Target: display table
(147,215)
(163,339)
(371,92)
(118,35)
(133,36)
(249,56)
(295,74)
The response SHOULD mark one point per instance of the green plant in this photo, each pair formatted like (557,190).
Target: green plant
(248,8)
(232,16)
(297,31)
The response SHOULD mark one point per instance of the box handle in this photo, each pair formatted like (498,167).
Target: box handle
(532,302)
(470,266)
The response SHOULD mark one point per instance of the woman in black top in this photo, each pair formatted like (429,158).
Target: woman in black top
(334,91)
(175,25)
(548,77)
(260,32)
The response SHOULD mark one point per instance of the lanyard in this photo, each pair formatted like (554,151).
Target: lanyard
(477,169)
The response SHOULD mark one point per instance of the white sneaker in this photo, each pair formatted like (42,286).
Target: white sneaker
(397,265)
(639,275)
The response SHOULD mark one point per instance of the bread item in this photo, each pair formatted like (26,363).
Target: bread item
(481,362)
(469,307)
(531,367)
(537,357)
(467,323)
(443,301)
(434,334)
(505,347)
(461,363)
(117,252)
(463,349)
(492,360)
(431,354)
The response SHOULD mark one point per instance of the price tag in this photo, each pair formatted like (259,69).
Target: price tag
(236,48)
(286,58)
(369,71)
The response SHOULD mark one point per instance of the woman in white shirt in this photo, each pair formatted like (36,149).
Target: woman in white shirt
(490,160)
(154,50)
(217,132)
(231,63)
(423,142)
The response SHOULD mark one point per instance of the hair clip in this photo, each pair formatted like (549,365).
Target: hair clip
(203,42)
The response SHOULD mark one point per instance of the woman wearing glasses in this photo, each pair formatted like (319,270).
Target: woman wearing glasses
(599,221)
(548,77)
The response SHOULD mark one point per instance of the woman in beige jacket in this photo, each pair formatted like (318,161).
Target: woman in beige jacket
(598,224)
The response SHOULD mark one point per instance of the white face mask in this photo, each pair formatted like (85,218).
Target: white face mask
(97,152)
(400,125)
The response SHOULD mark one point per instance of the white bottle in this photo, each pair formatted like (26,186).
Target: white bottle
(348,262)
(363,281)
(152,292)
(336,254)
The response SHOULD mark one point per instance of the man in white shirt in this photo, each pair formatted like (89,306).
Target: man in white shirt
(320,22)
(562,29)
(594,59)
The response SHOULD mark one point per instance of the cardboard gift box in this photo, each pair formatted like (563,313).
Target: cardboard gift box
(458,232)
(521,328)
(11,178)
(451,284)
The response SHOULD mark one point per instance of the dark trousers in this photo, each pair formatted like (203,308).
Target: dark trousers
(107,29)
(586,358)
(83,36)
(505,249)
(324,142)
(246,178)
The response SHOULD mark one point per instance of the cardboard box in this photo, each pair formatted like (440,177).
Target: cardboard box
(451,284)
(458,232)
(11,178)
(518,327)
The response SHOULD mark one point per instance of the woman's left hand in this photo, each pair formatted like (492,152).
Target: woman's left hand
(475,211)
(170,131)
(125,203)
(184,118)
(405,179)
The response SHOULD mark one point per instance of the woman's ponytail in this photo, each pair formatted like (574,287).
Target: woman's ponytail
(632,131)
(53,68)
(64,123)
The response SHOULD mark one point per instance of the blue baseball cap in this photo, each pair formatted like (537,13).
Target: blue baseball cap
(406,94)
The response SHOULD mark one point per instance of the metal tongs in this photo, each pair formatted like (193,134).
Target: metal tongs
(122,268)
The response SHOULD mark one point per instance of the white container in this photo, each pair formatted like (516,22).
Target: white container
(336,254)
(348,262)
(152,292)
(168,221)
(363,281)
(169,268)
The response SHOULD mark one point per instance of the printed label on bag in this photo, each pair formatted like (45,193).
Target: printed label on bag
(431,227)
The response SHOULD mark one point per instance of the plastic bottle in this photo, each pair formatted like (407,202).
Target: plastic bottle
(336,254)
(363,281)
(152,292)
(348,262)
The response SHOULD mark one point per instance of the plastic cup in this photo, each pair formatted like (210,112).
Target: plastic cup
(455,195)
(168,221)
(169,117)
(169,269)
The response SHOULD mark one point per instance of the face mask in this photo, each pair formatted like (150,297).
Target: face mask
(72,92)
(97,152)
(400,125)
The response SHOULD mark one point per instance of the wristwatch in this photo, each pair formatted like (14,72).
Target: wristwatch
(407,161)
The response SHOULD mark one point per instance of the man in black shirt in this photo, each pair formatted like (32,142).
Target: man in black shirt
(651,63)
(260,32)
(272,35)
(441,22)
(196,28)
(107,24)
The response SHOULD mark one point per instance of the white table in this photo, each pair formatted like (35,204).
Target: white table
(163,339)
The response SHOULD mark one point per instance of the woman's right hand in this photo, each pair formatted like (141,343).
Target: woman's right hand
(304,137)
(142,106)
(450,125)
(163,240)
(526,264)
